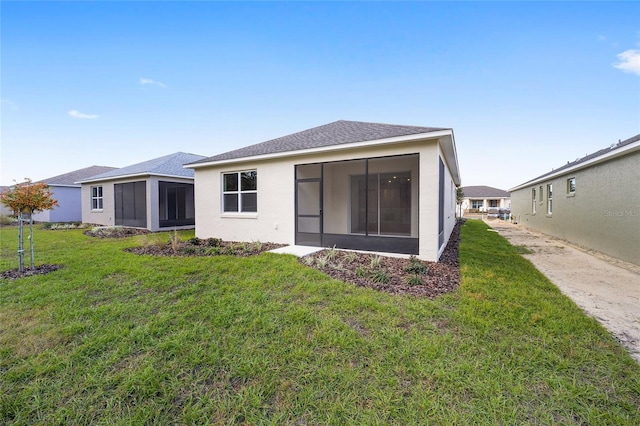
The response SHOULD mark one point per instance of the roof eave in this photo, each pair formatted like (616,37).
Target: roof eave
(604,157)
(331,148)
(133,175)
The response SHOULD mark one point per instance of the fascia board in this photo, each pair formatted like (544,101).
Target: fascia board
(600,159)
(134,175)
(332,148)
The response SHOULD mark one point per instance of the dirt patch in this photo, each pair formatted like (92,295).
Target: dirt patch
(605,288)
(393,275)
(38,270)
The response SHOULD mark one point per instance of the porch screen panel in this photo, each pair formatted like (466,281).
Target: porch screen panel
(176,204)
(131,204)
(340,214)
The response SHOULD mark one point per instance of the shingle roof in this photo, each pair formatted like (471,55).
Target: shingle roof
(588,157)
(336,133)
(70,179)
(169,165)
(483,192)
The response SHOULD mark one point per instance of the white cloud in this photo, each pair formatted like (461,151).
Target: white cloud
(629,61)
(77,114)
(150,82)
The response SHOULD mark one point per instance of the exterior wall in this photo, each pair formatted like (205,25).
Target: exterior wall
(275,221)
(69,209)
(449,207)
(106,216)
(603,214)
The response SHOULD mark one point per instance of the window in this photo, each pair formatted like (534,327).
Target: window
(476,204)
(96,198)
(533,200)
(571,185)
(550,198)
(240,192)
(493,203)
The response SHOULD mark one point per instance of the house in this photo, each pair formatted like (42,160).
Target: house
(155,194)
(483,199)
(67,192)
(592,202)
(4,210)
(348,184)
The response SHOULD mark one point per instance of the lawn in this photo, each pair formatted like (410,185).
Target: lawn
(118,338)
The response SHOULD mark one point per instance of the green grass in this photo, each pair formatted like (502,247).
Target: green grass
(116,338)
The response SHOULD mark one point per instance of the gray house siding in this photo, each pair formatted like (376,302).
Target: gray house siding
(602,214)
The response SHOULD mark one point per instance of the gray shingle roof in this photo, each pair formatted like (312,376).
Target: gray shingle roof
(484,192)
(588,157)
(70,179)
(336,133)
(169,165)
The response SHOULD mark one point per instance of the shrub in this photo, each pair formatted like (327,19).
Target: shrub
(375,262)
(414,279)
(214,242)
(380,276)
(416,267)
(194,241)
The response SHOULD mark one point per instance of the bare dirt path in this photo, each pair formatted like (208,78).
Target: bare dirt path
(605,288)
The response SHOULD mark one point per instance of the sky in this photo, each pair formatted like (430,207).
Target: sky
(525,86)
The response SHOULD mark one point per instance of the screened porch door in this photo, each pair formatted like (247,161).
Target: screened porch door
(309,205)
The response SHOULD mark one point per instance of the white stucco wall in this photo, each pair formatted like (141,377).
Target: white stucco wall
(274,221)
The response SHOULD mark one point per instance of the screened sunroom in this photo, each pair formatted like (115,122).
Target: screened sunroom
(367,204)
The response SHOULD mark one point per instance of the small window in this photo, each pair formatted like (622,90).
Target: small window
(550,198)
(240,192)
(571,185)
(96,198)
(534,200)
(493,203)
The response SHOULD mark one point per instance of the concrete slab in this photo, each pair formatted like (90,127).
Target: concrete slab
(605,288)
(299,251)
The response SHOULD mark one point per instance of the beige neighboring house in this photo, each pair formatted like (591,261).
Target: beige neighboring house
(593,202)
(155,194)
(484,199)
(353,185)
(4,210)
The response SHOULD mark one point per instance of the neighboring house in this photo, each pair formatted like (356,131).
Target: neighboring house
(67,192)
(593,202)
(4,210)
(348,184)
(482,199)
(155,194)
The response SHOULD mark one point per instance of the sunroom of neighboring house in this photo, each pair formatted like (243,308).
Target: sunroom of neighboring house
(593,202)
(484,199)
(352,185)
(67,193)
(157,195)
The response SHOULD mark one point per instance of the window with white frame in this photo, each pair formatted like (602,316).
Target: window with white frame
(240,192)
(571,185)
(96,198)
(493,203)
(550,198)
(534,200)
(477,204)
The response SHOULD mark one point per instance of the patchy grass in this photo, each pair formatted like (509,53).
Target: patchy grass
(522,249)
(115,337)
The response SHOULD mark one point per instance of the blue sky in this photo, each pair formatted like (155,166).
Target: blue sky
(525,86)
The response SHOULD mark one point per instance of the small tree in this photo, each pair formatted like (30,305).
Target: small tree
(459,198)
(25,199)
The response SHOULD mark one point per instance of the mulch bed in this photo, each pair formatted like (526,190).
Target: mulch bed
(38,270)
(208,247)
(115,232)
(356,268)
